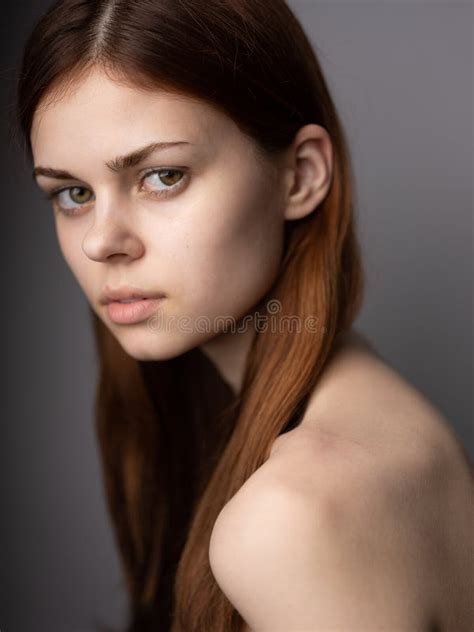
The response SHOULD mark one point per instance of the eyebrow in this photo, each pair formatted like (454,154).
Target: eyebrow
(118,164)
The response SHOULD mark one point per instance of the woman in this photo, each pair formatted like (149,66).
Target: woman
(265,469)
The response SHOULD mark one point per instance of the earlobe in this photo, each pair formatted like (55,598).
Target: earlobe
(311,168)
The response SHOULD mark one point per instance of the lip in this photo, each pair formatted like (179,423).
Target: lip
(136,312)
(127,292)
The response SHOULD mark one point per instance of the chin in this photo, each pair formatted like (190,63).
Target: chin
(147,346)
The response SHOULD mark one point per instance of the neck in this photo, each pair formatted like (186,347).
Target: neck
(228,351)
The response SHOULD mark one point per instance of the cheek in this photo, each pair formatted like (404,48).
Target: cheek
(231,251)
(68,248)
(71,249)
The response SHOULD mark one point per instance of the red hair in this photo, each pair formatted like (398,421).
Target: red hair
(175,443)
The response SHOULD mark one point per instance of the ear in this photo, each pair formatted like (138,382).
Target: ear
(308,171)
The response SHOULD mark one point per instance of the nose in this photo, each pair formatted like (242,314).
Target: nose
(112,236)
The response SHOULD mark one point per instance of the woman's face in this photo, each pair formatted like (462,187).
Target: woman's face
(206,231)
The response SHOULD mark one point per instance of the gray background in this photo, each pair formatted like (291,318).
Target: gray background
(401,73)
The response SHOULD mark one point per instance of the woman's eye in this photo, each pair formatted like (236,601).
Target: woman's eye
(63,198)
(166,177)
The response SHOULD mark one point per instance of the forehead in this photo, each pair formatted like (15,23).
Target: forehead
(101,112)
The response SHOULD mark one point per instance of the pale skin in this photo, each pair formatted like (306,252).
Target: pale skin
(360,520)
(213,244)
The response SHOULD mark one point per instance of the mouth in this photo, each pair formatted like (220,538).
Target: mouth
(130,300)
(131,311)
(127,294)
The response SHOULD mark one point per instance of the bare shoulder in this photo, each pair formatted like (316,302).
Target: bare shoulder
(363,405)
(372,497)
(309,532)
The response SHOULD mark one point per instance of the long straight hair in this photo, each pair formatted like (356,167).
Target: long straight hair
(175,442)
